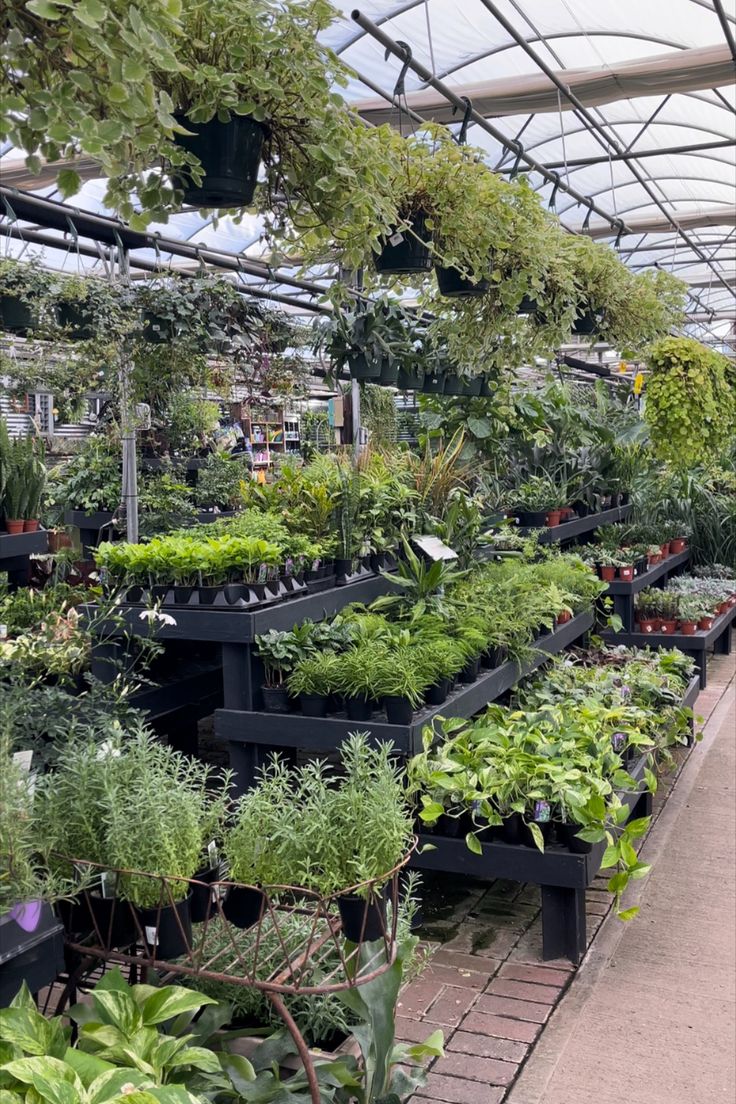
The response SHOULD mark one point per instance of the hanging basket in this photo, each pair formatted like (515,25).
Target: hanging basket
(587,323)
(434,383)
(473,387)
(389,372)
(455,286)
(527,306)
(230,154)
(406,251)
(16,316)
(410,379)
(78,322)
(486,387)
(454,384)
(361,368)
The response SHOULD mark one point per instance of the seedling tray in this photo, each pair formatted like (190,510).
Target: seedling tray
(294,730)
(695,645)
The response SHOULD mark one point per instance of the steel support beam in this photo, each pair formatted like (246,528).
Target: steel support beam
(727,32)
(668,151)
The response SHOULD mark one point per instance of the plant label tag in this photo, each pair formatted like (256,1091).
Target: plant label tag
(23,760)
(212,852)
(434,548)
(3,632)
(106,884)
(396,239)
(151,936)
(618,740)
(542,812)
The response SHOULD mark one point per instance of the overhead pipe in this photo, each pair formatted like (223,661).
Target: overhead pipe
(584,162)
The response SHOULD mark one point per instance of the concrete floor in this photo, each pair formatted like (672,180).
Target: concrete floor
(650,1016)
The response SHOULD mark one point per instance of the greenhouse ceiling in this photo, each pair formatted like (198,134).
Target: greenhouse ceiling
(629,104)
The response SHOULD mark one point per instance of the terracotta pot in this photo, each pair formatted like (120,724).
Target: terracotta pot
(626,574)
(59,540)
(30,525)
(607,572)
(654,560)
(688,628)
(679,544)
(665,549)
(14,525)
(567,513)
(553,517)
(668,626)
(648,626)
(705,623)
(723,608)
(564,617)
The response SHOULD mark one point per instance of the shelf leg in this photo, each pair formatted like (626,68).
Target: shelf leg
(623,606)
(563,923)
(237,677)
(245,762)
(722,645)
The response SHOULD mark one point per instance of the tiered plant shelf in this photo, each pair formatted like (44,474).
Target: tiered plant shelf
(622,592)
(581,526)
(562,875)
(90,525)
(696,645)
(15,549)
(252,735)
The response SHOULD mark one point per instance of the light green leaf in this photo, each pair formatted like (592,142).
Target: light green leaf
(171,1001)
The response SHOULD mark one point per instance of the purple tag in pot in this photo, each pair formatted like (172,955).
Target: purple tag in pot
(542,812)
(618,740)
(26,915)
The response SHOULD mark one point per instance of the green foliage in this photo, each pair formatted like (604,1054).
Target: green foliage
(22,475)
(689,406)
(219,481)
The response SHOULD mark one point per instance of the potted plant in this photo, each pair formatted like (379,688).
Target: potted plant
(669,608)
(87,307)
(536,500)
(690,613)
(654,554)
(25,290)
(279,652)
(313,680)
(607,564)
(402,675)
(647,609)
(357,680)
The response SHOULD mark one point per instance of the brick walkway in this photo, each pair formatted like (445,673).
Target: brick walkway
(486,984)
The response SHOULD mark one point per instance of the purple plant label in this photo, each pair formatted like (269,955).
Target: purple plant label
(27,915)
(625,692)
(618,740)
(542,812)
(263,573)
(289,567)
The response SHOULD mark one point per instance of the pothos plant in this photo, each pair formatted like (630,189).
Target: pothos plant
(689,407)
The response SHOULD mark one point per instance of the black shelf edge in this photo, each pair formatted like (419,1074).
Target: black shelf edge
(193,688)
(97,520)
(696,642)
(578,526)
(241,626)
(326,733)
(692,692)
(23,544)
(651,575)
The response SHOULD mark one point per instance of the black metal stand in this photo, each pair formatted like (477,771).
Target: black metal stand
(623,593)
(695,645)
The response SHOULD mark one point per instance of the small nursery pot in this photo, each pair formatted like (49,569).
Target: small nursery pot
(545,827)
(30,525)
(168,930)
(182,594)
(688,628)
(343,568)
(201,905)
(679,544)
(359,708)
(244,906)
(275,699)
(207,594)
(235,592)
(409,253)
(665,548)
(668,626)
(437,694)
(470,671)
(582,509)
(363,918)
(567,835)
(14,526)
(532,519)
(724,607)
(313,705)
(653,560)
(564,617)
(434,383)
(705,623)
(399,710)
(511,827)
(648,625)
(607,572)
(554,517)
(159,591)
(626,574)
(493,657)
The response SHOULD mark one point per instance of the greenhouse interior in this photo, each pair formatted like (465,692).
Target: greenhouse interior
(367,552)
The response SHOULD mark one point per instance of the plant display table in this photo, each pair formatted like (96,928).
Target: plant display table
(623,592)
(562,875)
(696,645)
(91,525)
(175,705)
(14,552)
(252,735)
(581,526)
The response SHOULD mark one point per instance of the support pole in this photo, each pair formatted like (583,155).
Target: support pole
(127,424)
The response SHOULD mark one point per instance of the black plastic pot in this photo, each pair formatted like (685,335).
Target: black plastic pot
(343,568)
(527,305)
(389,372)
(511,829)
(230,154)
(159,591)
(586,323)
(410,379)
(470,671)
(134,594)
(363,919)
(16,316)
(207,594)
(201,905)
(487,387)
(182,594)
(361,368)
(244,906)
(275,699)
(567,835)
(313,705)
(545,827)
(168,930)
(473,387)
(399,710)
(157,330)
(237,592)
(454,384)
(113,919)
(454,286)
(532,519)
(582,509)
(409,253)
(78,321)
(437,694)
(359,708)
(434,383)
(493,657)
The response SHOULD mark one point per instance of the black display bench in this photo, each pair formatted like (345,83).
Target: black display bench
(696,645)
(253,735)
(623,592)
(15,550)
(174,706)
(562,876)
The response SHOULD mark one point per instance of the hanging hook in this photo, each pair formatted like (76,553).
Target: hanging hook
(399,87)
(621,231)
(463,132)
(589,201)
(553,198)
(517,162)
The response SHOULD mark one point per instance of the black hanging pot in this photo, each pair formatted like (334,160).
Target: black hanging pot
(16,316)
(454,384)
(454,286)
(434,383)
(157,330)
(399,710)
(486,387)
(406,251)
(77,320)
(244,906)
(167,930)
(410,379)
(363,368)
(473,387)
(527,305)
(389,372)
(230,154)
(586,323)
(363,918)
(275,699)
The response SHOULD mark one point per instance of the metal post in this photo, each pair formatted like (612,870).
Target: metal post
(127,423)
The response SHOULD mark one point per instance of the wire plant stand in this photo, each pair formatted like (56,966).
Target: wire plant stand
(229,932)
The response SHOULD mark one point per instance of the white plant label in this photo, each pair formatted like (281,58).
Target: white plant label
(212,852)
(396,239)
(151,937)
